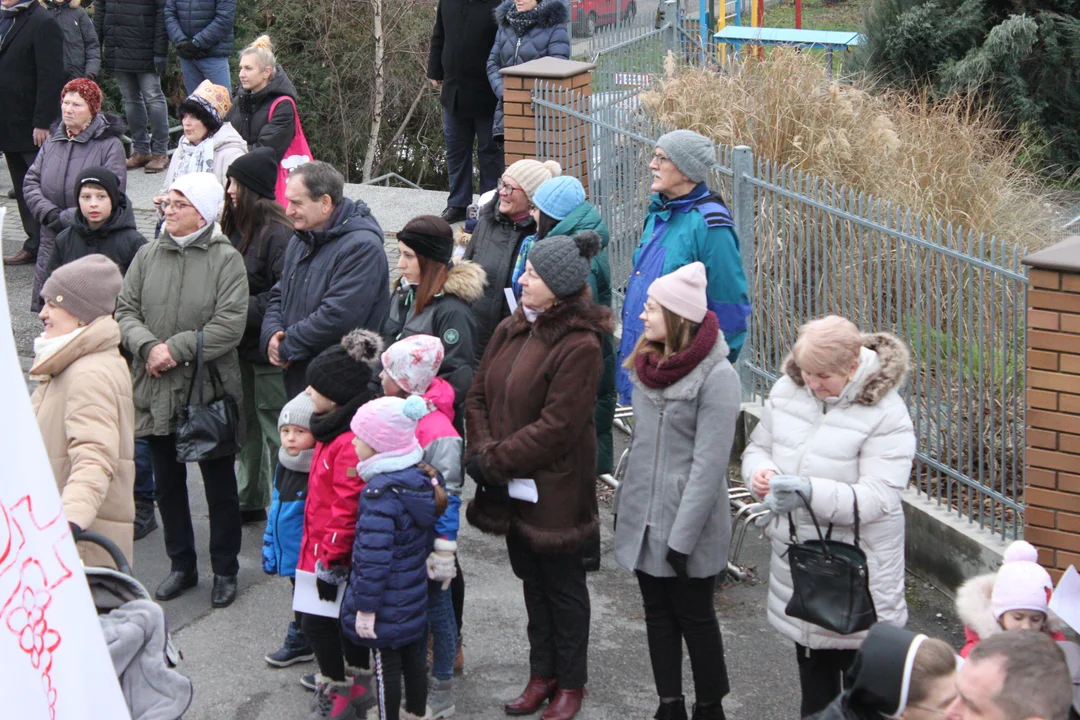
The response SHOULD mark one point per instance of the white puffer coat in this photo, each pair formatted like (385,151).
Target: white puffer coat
(861,443)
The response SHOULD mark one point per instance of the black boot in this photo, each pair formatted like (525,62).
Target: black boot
(674,710)
(223,592)
(708,711)
(145,520)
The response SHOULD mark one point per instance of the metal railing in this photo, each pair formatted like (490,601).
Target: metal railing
(811,248)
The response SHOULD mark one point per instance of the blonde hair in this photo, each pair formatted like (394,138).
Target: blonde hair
(262,48)
(933,660)
(828,344)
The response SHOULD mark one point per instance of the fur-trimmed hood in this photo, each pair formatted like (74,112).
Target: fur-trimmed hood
(893,363)
(974,608)
(466,280)
(549,13)
(576,312)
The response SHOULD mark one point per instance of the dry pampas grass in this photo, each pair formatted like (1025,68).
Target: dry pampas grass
(945,159)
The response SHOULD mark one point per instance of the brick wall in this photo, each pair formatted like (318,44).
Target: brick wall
(1052,519)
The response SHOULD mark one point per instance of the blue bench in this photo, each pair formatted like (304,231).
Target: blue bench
(827,40)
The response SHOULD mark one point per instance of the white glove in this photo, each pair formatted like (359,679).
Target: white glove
(440,563)
(365,625)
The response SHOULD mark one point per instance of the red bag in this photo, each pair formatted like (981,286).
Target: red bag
(296,154)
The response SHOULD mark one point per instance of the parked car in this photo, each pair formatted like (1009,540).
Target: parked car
(587,15)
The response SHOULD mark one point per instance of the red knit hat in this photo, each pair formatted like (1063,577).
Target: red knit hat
(88,90)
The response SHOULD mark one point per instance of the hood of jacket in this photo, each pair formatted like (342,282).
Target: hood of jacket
(441,395)
(466,280)
(584,217)
(893,361)
(549,13)
(102,125)
(227,138)
(279,85)
(122,218)
(102,335)
(880,677)
(346,219)
(412,487)
(974,607)
(576,312)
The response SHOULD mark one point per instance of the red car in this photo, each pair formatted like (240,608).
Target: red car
(587,15)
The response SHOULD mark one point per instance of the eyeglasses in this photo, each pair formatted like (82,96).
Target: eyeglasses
(506,188)
(176,206)
(659,159)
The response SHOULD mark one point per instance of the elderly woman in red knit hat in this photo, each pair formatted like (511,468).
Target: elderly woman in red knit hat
(85,137)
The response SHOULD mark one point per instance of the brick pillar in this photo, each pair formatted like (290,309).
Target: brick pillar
(562,138)
(1052,518)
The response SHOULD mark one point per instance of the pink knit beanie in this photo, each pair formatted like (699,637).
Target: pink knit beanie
(1021,583)
(388,424)
(413,362)
(682,292)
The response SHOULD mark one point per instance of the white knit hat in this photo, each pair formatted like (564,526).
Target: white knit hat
(1021,583)
(204,192)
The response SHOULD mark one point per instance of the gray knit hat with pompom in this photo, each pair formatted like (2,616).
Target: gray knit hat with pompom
(564,262)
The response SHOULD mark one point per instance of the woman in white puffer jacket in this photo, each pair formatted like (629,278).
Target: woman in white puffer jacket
(835,427)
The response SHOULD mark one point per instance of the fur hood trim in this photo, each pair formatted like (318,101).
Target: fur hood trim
(465,280)
(576,312)
(974,609)
(688,387)
(895,363)
(550,12)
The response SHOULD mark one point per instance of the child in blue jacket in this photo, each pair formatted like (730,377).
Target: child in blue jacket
(285,521)
(385,603)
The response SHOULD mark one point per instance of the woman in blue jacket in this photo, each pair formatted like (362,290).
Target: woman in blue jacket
(687,222)
(528,29)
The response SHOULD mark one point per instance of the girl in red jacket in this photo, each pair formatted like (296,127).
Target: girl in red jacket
(339,382)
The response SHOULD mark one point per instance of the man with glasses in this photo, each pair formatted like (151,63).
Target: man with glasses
(686,222)
(504,224)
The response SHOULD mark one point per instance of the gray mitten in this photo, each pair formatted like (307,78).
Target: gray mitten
(784,493)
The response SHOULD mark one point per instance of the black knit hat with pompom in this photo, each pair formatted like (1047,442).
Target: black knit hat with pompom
(564,262)
(342,372)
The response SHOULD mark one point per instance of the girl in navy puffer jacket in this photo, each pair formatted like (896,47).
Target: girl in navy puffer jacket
(385,603)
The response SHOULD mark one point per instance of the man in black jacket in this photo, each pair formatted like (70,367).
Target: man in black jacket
(460,42)
(31,77)
(135,48)
(335,278)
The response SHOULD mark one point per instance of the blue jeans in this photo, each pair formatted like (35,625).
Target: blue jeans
(214,69)
(443,631)
(459,133)
(144,471)
(142,95)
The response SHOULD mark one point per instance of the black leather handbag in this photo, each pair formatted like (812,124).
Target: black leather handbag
(830,580)
(207,430)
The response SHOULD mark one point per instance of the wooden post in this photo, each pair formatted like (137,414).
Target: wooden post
(1052,460)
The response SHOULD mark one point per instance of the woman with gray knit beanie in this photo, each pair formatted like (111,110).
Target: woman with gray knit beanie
(529,414)
(83,403)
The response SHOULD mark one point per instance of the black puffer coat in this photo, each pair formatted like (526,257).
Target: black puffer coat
(131,33)
(82,51)
(250,115)
(263,258)
(117,239)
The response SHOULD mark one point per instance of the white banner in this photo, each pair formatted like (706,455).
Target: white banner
(54,664)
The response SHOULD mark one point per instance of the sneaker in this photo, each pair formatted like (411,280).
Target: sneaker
(138,160)
(440,699)
(309,681)
(294,650)
(332,702)
(157,164)
(145,519)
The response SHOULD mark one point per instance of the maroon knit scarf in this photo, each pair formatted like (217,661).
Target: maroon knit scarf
(656,373)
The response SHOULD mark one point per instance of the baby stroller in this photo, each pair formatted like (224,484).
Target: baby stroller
(134,627)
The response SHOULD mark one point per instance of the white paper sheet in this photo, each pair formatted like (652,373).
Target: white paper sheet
(523,489)
(1065,601)
(306,597)
(510,299)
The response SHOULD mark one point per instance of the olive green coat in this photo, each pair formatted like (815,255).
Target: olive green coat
(169,294)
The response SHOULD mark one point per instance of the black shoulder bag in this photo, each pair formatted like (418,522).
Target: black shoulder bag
(830,580)
(207,430)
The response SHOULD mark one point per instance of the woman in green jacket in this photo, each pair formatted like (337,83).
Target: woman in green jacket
(190,279)
(560,208)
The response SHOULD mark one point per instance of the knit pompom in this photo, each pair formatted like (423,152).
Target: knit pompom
(553,167)
(415,407)
(1021,551)
(362,345)
(588,243)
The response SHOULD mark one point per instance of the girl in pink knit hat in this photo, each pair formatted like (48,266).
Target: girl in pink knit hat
(1016,597)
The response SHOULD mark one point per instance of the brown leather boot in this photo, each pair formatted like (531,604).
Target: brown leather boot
(565,705)
(22,257)
(158,163)
(537,691)
(138,160)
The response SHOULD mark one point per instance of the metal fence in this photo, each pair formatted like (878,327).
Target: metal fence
(811,248)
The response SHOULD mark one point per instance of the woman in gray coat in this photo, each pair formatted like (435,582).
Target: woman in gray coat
(673,522)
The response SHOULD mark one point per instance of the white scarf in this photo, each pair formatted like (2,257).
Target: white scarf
(194,158)
(186,240)
(45,348)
